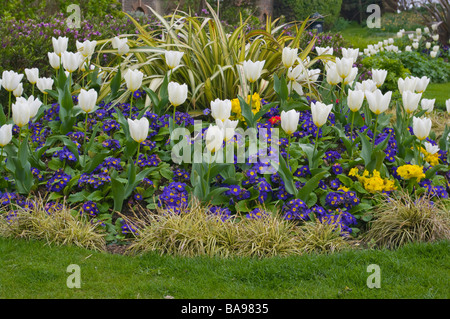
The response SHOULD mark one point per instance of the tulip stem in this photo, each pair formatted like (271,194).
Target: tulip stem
(9,105)
(288,151)
(131,105)
(45,98)
(138,153)
(317,142)
(351,126)
(85,137)
(375,132)
(32,89)
(174,111)
(1,157)
(420,151)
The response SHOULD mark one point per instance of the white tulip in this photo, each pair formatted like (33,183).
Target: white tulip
(177,93)
(133,79)
(379,76)
(324,50)
(447,105)
(293,74)
(344,67)
(428,45)
(289,121)
(55,60)
(32,75)
(121,45)
(435,37)
(71,61)
(408,48)
(351,77)
(407,84)
(33,104)
(434,26)
(415,45)
(86,48)
(60,45)
(430,148)
(435,48)
(252,70)
(173,58)
(427,105)
(44,84)
(350,54)
(5,134)
(399,34)
(355,99)
(426,30)
(366,85)
(320,113)
(418,31)
(333,77)
(21,113)
(11,80)
(18,91)
(87,100)
(421,127)
(378,103)
(288,57)
(421,84)
(214,138)
(433,54)
(411,101)
(139,129)
(221,109)
(228,127)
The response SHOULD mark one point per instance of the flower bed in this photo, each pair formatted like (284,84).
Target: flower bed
(317,148)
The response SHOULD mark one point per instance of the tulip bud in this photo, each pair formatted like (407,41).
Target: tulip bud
(33,104)
(177,93)
(21,113)
(435,37)
(289,121)
(214,138)
(11,80)
(173,58)
(60,45)
(447,105)
(44,84)
(133,79)
(421,127)
(366,85)
(351,77)
(433,54)
(324,51)
(430,148)
(407,84)
(408,48)
(379,76)
(320,112)
(427,105)
(121,45)
(5,134)
(378,103)
(288,57)
(55,60)
(411,101)
(221,110)
(18,91)
(333,77)
(355,100)
(32,75)
(252,70)
(87,100)
(139,129)
(421,84)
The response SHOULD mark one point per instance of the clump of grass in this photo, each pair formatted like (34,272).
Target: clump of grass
(193,232)
(402,219)
(323,237)
(56,226)
(196,232)
(268,236)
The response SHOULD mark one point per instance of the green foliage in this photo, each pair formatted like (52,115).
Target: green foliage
(423,65)
(387,62)
(31,9)
(298,10)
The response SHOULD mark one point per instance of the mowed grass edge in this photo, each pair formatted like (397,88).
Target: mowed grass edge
(31,269)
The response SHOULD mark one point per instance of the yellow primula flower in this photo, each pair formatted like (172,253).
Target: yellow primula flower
(236,106)
(411,171)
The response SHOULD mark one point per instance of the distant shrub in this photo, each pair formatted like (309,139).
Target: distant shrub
(295,10)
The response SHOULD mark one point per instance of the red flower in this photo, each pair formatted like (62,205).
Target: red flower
(274,119)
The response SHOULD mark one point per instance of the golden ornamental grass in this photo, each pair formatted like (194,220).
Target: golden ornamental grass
(59,227)
(403,219)
(196,232)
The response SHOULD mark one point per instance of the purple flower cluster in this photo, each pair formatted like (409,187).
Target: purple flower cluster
(174,197)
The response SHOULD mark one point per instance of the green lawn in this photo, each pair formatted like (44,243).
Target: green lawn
(360,37)
(29,269)
(438,91)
